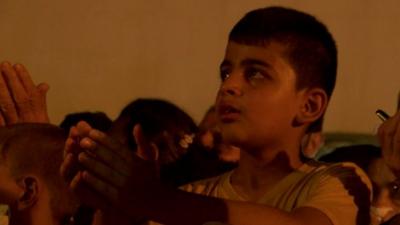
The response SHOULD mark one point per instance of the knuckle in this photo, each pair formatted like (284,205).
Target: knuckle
(7,106)
(24,101)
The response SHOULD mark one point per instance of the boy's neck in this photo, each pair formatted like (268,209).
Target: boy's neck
(256,175)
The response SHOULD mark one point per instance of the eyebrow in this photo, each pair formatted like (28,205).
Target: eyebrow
(250,61)
(247,62)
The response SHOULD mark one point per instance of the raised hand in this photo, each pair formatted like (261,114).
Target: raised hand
(389,138)
(116,174)
(71,170)
(20,99)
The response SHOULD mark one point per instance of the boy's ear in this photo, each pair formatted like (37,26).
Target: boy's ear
(29,186)
(313,106)
(145,149)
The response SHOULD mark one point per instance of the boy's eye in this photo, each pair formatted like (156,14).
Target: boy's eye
(254,74)
(224,74)
(395,191)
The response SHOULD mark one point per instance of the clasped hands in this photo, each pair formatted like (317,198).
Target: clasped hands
(105,173)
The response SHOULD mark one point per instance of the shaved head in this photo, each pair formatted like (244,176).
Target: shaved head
(37,150)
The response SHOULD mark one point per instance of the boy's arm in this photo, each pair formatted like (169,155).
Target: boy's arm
(20,99)
(134,189)
(170,206)
(181,208)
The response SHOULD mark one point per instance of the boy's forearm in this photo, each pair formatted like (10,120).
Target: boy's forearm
(170,206)
(182,208)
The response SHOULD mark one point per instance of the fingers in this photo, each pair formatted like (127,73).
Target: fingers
(83,128)
(8,110)
(110,143)
(25,78)
(41,102)
(76,134)
(108,191)
(98,152)
(72,148)
(72,142)
(20,99)
(102,170)
(19,94)
(104,165)
(106,155)
(86,194)
(43,88)
(69,167)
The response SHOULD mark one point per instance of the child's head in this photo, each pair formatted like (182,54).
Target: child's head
(163,123)
(31,155)
(309,47)
(386,190)
(282,63)
(386,187)
(98,120)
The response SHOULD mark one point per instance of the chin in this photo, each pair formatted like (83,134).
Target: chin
(233,138)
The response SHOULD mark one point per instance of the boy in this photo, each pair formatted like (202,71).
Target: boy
(30,184)
(277,77)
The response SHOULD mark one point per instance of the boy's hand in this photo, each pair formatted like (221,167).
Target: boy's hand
(70,166)
(115,173)
(389,138)
(20,99)
(71,170)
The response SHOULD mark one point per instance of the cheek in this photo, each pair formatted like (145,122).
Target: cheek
(271,113)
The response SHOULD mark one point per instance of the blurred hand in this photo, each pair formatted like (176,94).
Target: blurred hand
(20,99)
(107,173)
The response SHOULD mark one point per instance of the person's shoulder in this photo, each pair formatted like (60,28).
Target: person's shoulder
(345,171)
(206,186)
(343,168)
(329,167)
(341,190)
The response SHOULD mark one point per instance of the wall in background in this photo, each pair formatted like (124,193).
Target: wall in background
(101,54)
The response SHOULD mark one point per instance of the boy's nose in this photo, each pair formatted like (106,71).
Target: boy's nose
(232,85)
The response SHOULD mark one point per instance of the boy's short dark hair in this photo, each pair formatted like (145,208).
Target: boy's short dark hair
(310,48)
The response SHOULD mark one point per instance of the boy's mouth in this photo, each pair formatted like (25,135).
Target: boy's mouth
(228,113)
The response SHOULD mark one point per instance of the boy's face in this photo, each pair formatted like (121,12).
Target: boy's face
(386,189)
(257,101)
